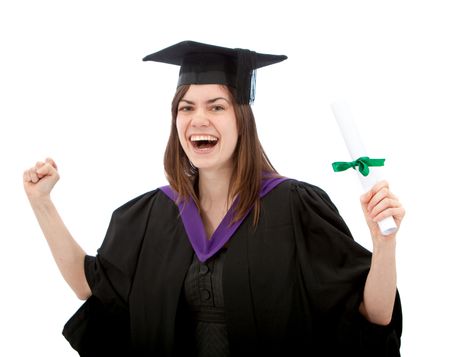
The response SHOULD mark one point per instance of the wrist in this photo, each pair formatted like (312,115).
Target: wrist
(40,201)
(384,244)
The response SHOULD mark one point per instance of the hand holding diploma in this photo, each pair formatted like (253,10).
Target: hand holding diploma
(379,204)
(368,178)
(383,213)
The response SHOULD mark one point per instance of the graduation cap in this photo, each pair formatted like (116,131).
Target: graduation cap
(208,64)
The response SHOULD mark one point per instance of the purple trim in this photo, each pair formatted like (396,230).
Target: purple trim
(195,230)
(270,183)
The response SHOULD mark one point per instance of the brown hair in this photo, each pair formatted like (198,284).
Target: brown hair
(250,161)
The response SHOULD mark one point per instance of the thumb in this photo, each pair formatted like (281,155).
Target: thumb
(365,197)
(45,170)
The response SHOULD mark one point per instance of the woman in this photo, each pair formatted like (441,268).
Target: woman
(231,259)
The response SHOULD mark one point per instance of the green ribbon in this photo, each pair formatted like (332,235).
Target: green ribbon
(363,164)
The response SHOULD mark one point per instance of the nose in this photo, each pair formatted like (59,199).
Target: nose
(200,119)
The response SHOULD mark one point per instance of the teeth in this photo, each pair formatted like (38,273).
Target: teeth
(203,138)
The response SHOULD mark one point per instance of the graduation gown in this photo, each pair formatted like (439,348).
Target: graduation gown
(292,285)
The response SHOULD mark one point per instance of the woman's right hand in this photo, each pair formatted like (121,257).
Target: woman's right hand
(38,182)
(40,179)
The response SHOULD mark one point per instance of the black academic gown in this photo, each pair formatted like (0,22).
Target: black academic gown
(292,284)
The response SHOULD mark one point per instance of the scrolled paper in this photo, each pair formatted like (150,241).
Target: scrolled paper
(359,156)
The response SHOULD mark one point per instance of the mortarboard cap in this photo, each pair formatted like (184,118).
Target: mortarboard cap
(207,64)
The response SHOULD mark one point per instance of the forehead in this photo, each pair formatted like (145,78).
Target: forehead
(204,92)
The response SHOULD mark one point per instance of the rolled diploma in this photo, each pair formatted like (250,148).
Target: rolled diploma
(356,149)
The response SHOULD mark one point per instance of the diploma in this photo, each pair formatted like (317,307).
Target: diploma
(357,150)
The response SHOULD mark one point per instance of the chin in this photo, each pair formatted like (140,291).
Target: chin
(210,165)
(202,165)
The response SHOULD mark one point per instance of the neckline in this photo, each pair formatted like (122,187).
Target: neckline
(195,229)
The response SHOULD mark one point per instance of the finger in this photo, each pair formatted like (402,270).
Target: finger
(379,195)
(380,185)
(396,212)
(383,205)
(45,170)
(52,162)
(365,198)
(33,175)
(26,176)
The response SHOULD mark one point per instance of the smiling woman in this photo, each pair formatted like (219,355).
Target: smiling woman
(206,127)
(237,160)
(230,258)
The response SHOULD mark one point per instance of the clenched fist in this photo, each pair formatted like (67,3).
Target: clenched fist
(40,179)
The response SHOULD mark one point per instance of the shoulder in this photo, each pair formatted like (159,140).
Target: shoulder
(303,200)
(300,190)
(141,203)
(294,185)
(133,215)
(129,222)
(311,211)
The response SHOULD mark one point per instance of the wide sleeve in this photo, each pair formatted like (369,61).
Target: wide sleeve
(101,325)
(333,269)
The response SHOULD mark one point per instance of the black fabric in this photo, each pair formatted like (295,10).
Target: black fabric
(191,55)
(99,330)
(203,288)
(203,292)
(292,285)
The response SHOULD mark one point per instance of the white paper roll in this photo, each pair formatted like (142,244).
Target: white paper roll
(356,149)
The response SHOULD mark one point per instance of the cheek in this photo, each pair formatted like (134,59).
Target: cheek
(181,128)
(235,132)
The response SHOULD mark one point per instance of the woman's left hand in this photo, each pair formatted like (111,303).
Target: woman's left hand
(378,204)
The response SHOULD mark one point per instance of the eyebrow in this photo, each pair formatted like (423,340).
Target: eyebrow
(209,101)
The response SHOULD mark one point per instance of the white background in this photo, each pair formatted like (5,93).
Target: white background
(73,87)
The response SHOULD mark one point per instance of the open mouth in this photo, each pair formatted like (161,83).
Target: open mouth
(203,142)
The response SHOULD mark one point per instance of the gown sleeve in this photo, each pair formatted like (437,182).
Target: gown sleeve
(334,268)
(101,325)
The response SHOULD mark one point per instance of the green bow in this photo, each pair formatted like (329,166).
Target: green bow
(363,164)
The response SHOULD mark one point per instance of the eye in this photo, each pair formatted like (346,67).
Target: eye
(185,108)
(217,108)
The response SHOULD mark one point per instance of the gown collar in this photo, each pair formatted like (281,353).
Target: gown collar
(205,248)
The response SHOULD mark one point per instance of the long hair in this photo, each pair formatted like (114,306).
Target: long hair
(250,162)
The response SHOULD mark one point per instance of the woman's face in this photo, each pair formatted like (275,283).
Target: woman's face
(206,125)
